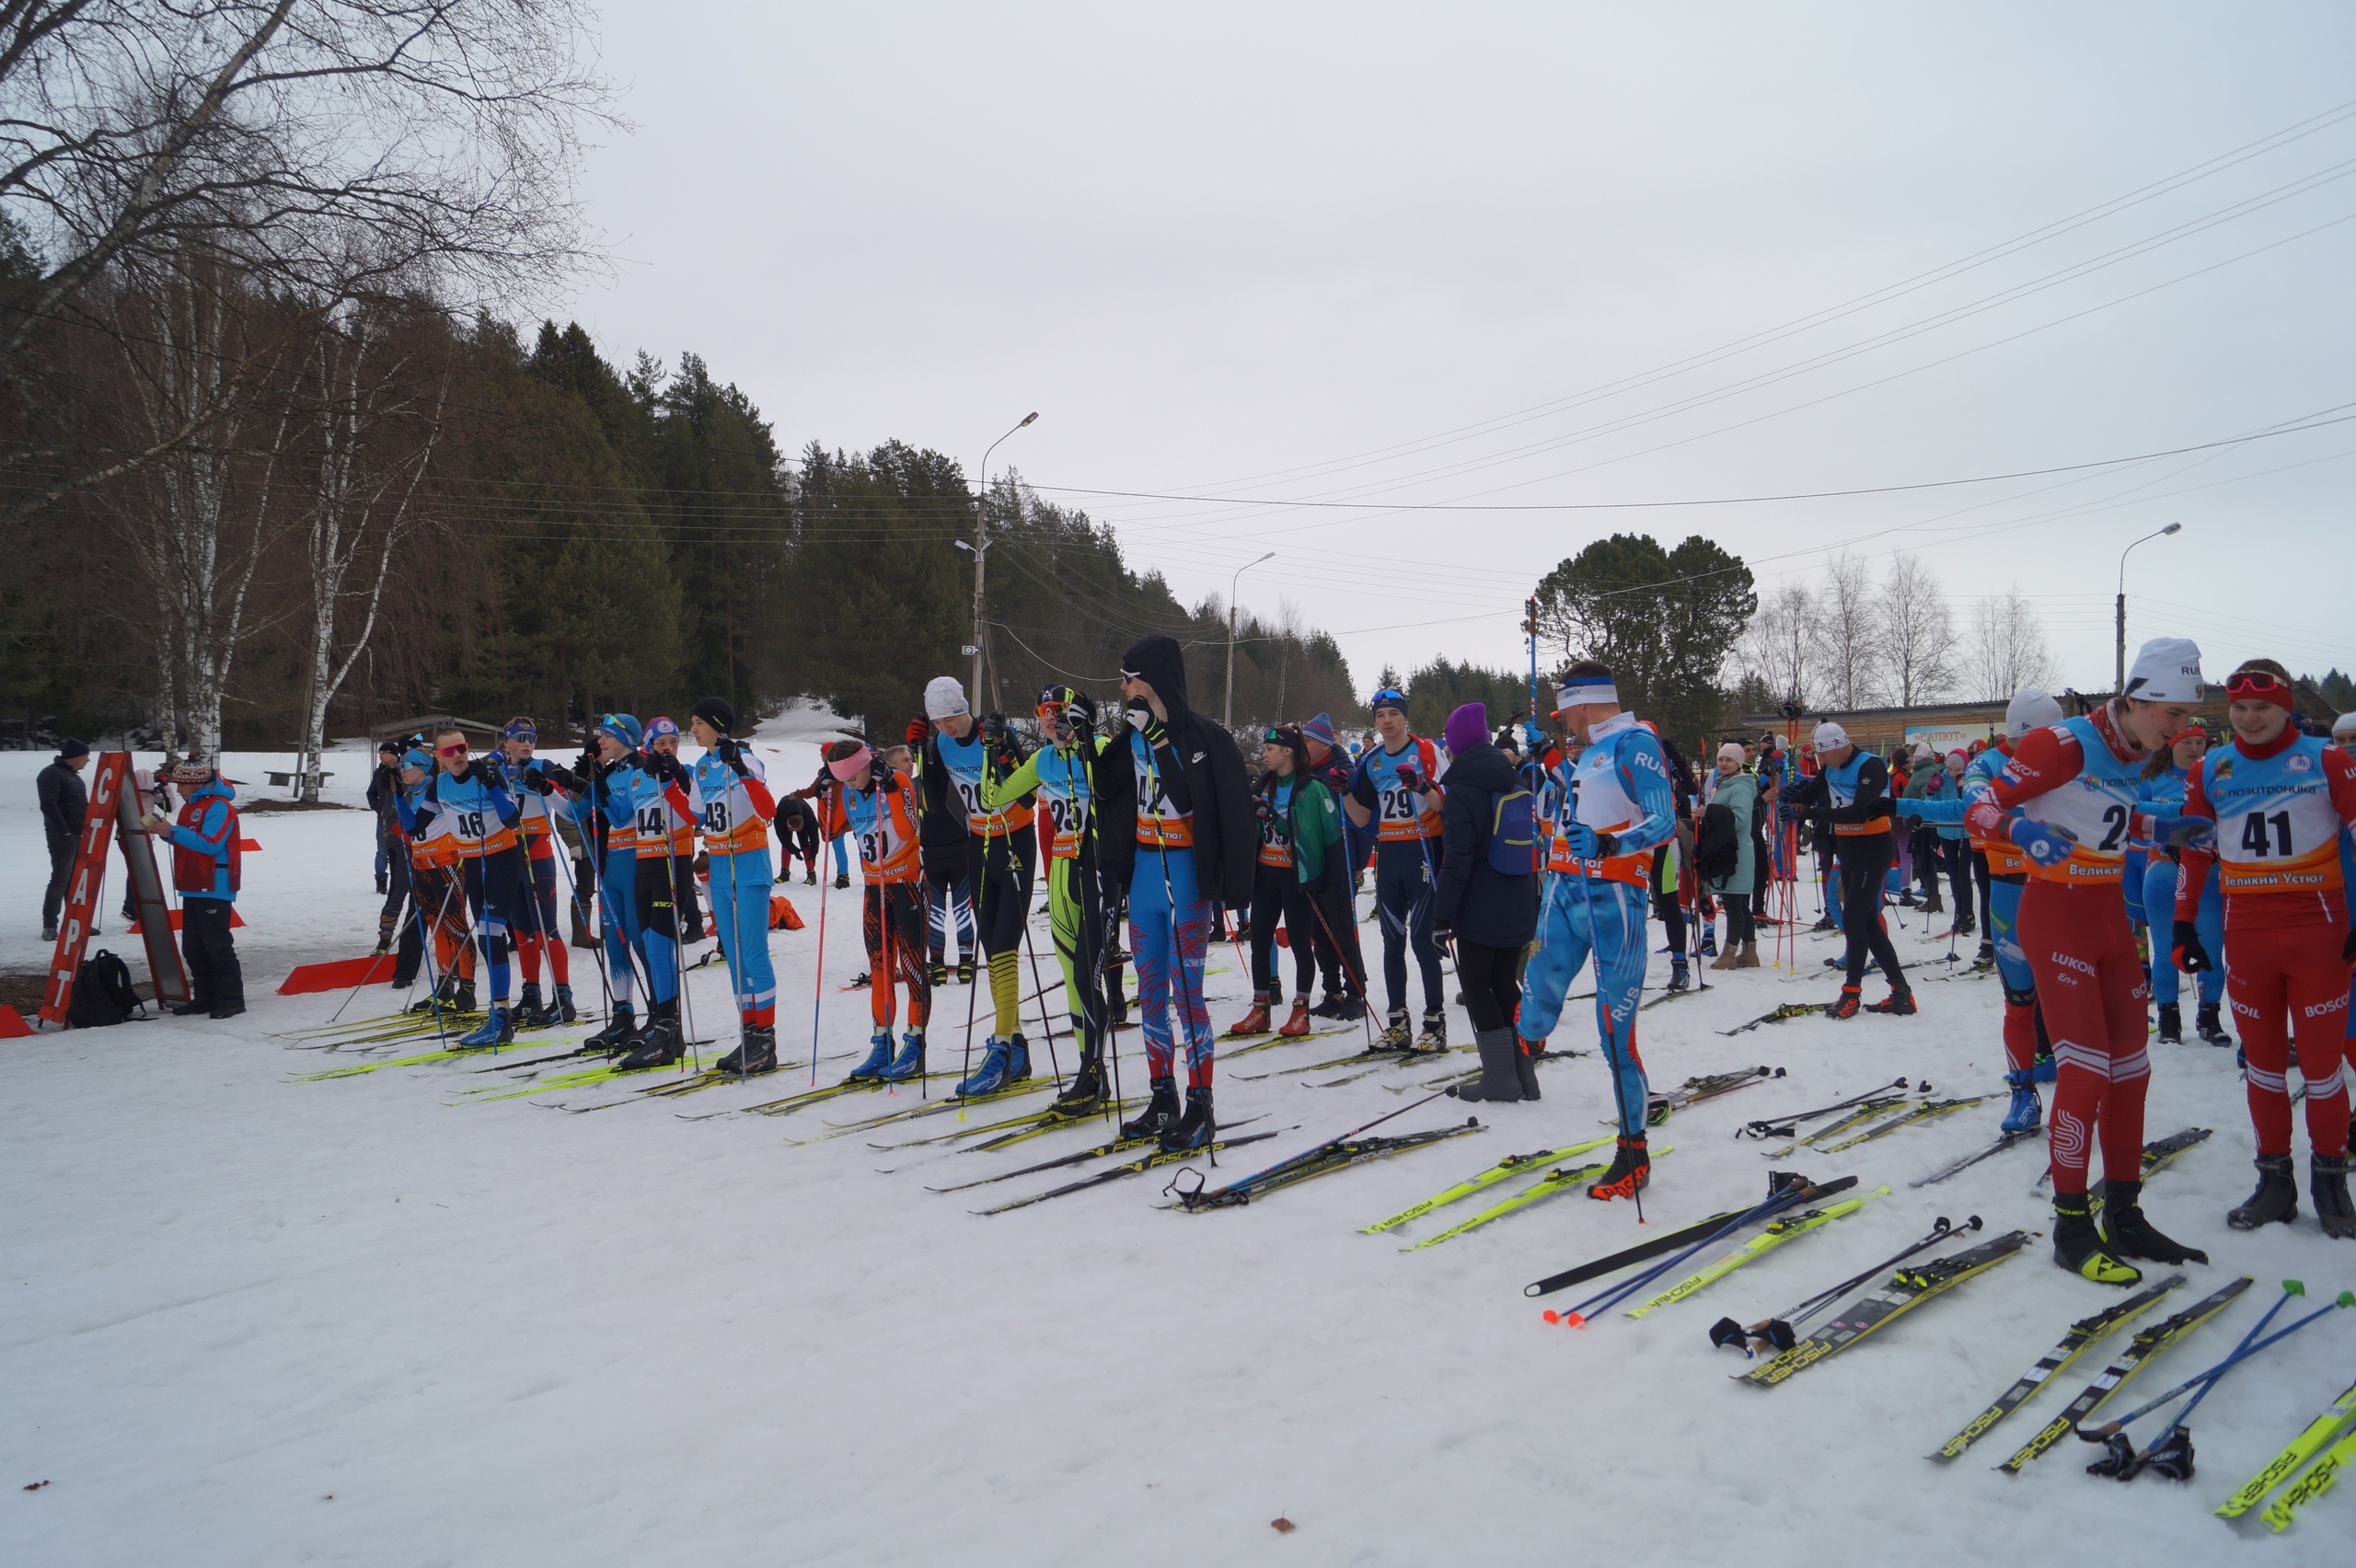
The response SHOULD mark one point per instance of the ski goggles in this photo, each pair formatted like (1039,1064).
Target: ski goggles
(2258,685)
(1387,697)
(459,750)
(521,730)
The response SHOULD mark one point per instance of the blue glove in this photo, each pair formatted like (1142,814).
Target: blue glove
(1588,844)
(2043,843)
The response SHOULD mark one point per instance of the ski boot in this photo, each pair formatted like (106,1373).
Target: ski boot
(1525,1065)
(530,1011)
(756,1053)
(1933,903)
(1906,899)
(1985,959)
(563,1010)
(1680,977)
(497,1029)
(810,877)
(1085,1093)
(1434,1038)
(1327,1006)
(1967,924)
(2171,1024)
(1252,1022)
(2276,1202)
(464,1000)
(1631,1171)
(384,945)
(1394,1037)
(444,998)
(1499,1082)
(990,1077)
(1018,1058)
(1709,941)
(860,981)
(936,975)
(1298,1024)
(2125,1233)
(2327,1184)
(1161,1113)
(661,1045)
(879,1058)
(1196,1127)
(2206,1024)
(1849,1006)
(2077,1245)
(909,1062)
(964,972)
(842,879)
(1826,924)
(1899,1003)
(2026,1109)
(620,1033)
(1346,1007)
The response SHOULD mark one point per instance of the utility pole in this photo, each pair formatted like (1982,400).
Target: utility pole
(981,558)
(2118,684)
(1233,583)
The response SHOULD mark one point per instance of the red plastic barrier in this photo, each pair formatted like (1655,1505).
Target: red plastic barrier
(13,1025)
(234,919)
(339,975)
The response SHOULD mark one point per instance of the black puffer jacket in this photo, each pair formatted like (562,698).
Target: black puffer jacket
(1481,903)
(1201,770)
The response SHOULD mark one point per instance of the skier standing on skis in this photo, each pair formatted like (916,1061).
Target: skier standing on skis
(2282,803)
(662,749)
(2165,778)
(948,889)
(1395,794)
(1179,833)
(1282,880)
(1854,790)
(606,810)
(727,796)
(2066,798)
(876,804)
(539,934)
(1061,774)
(1488,905)
(1612,808)
(1344,973)
(467,809)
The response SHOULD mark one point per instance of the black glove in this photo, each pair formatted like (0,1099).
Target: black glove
(486,771)
(732,754)
(2184,946)
(1264,808)
(1443,932)
(587,766)
(1083,709)
(1411,781)
(665,767)
(537,780)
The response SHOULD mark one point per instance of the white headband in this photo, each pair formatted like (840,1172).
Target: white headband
(1586,688)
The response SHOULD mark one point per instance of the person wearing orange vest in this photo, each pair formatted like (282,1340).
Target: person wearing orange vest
(1396,791)
(467,815)
(538,935)
(207,868)
(1854,793)
(876,805)
(727,797)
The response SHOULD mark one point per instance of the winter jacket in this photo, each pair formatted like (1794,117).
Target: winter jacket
(1313,826)
(385,796)
(1480,902)
(206,862)
(65,801)
(1202,772)
(1738,796)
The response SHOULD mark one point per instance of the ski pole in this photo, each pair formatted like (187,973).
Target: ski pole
(678,949)
(1604,1301)
(2204,1380)
(1046,1014)
(1725,1330)
(1611,1035)
(818,987)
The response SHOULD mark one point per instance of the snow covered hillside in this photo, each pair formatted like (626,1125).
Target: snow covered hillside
(382,1319)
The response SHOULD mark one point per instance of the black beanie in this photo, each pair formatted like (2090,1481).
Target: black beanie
(715,712)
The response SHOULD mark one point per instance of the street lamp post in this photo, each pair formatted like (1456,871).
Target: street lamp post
(1233,583)
(981,551)
(2119,684)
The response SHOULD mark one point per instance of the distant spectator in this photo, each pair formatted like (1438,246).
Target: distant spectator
(383,793)
(64,801)
(206,869)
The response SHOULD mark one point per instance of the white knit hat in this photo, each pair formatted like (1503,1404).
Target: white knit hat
(2167,669)
(2031,708)
(2344,724)
(1829,736)
(1731,749)
(945,699)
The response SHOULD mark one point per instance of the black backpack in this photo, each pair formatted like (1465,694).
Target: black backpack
(103,995)
(1719,853)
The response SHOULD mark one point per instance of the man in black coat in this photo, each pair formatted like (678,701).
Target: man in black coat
(1177,830)
(64,801)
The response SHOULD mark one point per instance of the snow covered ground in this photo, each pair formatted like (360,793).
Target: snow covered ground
(373,1320)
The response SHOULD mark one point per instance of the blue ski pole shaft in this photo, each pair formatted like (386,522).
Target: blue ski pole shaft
(1611,1296)
(2200,1382)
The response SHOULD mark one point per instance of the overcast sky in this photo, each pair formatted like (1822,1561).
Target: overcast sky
(1492,255)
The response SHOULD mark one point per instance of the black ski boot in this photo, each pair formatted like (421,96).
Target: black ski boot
(1085,1093)
(1985,959)
(620,1033)
(2125,1233)
(1967,924)
(530,1011)
(561,1010)
(1161,1113)
(444,998)
(1899,1003)
(756,1053)
(2205,1023)
(465,999)
(936,975)
(2078,1247)
(661,1045)
(1194,1129)
(2327,1185)
(1631,1171)
(1826,924)
(2171,1024)
(1500,1083)
(2276,1202)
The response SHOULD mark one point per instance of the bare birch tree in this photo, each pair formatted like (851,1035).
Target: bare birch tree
(1918,635)
(2008,649)
(1780,644)
(1847,650)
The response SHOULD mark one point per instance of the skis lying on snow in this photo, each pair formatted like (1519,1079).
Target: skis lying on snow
(2276,1470)
(1129,1168)
(1787,1190)
(1866,1110)
(1118,1145)
(1510,1166)
(2319,1480)
(1789,1227)
(1928,1110)
(2083,1335)
(1781,1333)
(2004,1141)
(2158,1154)
(2142,1352)
(1785,1125)
(1643,1251)
(1554,1182)
(1335,1153)
(1907,1289)
(1694,1091)
(1789,1009)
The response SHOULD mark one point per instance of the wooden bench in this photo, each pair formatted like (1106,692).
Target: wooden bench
(286,781)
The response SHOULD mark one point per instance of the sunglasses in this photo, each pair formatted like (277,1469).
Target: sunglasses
(459,750)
